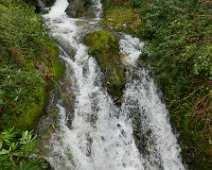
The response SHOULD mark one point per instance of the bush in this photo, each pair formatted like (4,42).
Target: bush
(17,151)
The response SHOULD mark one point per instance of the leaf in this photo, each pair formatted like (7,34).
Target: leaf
(16,99)
(8,135)
(27,137)
(14,146)
(18,154)
(4,152)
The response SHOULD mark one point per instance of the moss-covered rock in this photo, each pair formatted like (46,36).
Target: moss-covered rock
(122,19)
(104,46)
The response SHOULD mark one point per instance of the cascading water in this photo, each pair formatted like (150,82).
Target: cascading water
(101,136)
(98,7)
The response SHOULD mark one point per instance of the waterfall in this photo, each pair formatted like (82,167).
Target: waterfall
(101,135)
(98,8)
(58,8)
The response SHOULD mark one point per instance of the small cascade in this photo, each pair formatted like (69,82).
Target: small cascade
(98,8)
(58,8)
(101,135)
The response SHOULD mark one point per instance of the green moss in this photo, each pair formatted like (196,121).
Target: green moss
(58,68)
(104,46)
(122,19)
(30,117)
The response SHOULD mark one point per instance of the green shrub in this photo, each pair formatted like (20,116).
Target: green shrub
(17,151)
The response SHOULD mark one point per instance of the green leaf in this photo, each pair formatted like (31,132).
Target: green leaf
(18,154)
(4,152)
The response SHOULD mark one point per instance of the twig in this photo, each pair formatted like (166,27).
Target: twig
(201,15)
(195,90)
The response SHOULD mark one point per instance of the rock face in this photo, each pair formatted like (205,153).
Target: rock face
(104,46)
(48,3)
(80,8)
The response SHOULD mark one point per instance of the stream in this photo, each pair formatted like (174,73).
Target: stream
(83,128)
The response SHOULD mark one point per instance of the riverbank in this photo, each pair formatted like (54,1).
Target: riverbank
(177,40)
(29,66)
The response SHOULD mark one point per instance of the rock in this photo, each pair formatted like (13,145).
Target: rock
(48,3)
(104,46)
(43,6)
(80,8)
(142,59)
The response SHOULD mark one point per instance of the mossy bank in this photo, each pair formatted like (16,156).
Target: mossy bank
(29,65)
(28,68)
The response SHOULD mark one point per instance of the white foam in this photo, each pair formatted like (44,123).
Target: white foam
(131,47)
(58,9)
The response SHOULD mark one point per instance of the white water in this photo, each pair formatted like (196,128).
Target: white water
(98,8)
(101,134)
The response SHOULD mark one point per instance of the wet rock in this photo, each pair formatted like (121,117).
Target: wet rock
(142,59)
(117,101)
(80,8)
(49,167)
(68,99)
(43,6)
(48,3)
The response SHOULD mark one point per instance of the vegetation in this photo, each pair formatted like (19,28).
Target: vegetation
(104,47)
(123,19)
(178,37)
(17,151)
(28,66)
